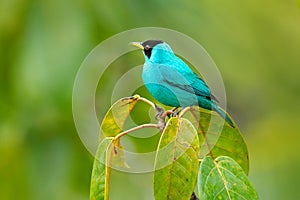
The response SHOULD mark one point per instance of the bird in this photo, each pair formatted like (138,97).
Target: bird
(172,82)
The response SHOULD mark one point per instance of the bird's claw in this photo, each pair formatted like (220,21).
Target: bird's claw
(176,112)
(161,115)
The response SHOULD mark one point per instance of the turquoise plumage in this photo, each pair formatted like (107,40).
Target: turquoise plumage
(170,80)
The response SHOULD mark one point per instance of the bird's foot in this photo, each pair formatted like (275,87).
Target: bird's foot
(176,111)
(161,115)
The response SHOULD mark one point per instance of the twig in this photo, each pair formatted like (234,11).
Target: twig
(135,129)
(147,101)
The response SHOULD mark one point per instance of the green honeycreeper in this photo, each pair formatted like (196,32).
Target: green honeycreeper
(170,80)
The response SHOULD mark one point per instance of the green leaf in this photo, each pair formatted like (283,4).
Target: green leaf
(101,172)
(117,115)
(223,178)
(176,162)
(110,154)
(218,138)
(117,159)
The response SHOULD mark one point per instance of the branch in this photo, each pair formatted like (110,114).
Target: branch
(135,129)
(147,101)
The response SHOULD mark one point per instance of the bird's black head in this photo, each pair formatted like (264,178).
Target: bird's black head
(148,46)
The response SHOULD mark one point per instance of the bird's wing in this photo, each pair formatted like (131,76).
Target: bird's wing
(186,80)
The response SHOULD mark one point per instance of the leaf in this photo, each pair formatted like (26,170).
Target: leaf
(109,155)
(176,162)
(218,138)
(117,155)
(101,172)
(115,118)
(223,178)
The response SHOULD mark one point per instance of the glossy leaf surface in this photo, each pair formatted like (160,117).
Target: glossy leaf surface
(223,178)
(101,172)
(117,115)
(176,161)
(218,138)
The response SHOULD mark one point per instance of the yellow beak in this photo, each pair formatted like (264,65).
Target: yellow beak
(137,44)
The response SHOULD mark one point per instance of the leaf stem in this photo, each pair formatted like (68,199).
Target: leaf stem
(147,101)
(203,134)
(222,177)
(135,129)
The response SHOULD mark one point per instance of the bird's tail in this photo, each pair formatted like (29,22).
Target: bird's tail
(223,114)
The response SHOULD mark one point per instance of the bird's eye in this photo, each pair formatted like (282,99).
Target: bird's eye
(147,47)
(148,50)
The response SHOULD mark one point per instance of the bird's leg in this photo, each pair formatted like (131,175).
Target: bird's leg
(161,115)
(176,113)
(174,109)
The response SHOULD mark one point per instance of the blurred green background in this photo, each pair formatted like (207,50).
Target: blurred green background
(256,45)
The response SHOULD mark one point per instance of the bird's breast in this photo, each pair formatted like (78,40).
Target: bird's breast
(154,83)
